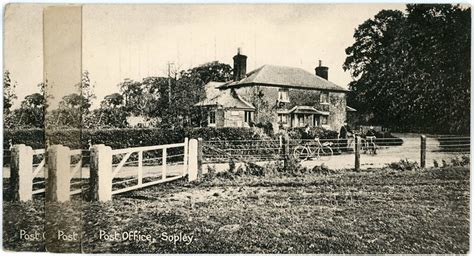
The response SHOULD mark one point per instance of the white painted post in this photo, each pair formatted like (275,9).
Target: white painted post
(193,160)
(58,185)
(101,173)
(140,167)
(185,158)
(21,173)
(163,170)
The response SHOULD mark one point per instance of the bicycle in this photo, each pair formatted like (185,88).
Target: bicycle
(319,150)
(368,145)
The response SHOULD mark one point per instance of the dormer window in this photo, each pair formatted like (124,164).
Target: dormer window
(283,95)
(324,98)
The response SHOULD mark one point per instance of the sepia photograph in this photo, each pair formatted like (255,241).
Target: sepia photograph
(302,128)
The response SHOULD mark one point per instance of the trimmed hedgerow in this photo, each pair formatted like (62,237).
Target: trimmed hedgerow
(32,137)
(127,137)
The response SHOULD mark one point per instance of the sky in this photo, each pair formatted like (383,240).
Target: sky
(135,41)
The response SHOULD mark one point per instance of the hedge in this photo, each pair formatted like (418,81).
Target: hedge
(126,137)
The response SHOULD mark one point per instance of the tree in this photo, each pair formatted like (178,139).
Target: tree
(188,90)
(30,114)
(111,113)
(8,92)
(411,71)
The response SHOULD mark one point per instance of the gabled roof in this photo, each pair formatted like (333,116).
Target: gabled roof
(282,76)
(223,98)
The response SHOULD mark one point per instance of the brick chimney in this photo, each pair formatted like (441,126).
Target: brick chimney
(322,71)
(240,66)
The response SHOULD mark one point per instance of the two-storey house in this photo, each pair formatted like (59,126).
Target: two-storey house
(284,96)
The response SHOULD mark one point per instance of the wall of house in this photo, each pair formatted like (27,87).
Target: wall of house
(337,110)
(234,118)
(265,100)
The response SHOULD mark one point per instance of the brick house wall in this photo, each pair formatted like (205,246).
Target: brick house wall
(265,100)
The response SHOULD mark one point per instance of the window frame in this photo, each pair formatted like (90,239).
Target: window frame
(283,92)
(321,97)
(325,118)
(212,117)
(248,116)
(283,118)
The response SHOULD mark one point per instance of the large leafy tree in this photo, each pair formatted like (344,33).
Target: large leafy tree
(189,89)
(30,114)
(110,114)
(411,71)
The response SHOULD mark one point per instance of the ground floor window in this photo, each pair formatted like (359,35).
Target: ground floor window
(212,117)
(283,118)
(324,120)
(300,120)
(248,116)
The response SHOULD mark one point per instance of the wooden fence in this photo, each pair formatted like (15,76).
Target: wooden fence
(115,171)
(63,164)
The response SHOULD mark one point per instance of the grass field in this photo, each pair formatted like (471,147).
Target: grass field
(377,211)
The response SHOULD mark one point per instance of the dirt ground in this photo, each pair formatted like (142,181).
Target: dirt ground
(381,211)
(377,211)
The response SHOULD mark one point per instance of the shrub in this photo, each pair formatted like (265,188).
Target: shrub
(404,165)
(32,137)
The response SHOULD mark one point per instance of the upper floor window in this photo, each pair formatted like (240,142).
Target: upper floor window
(324,98)
(283,95)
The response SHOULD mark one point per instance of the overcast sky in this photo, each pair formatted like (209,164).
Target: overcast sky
(135,41)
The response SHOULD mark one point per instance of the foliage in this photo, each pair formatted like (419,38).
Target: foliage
(188,90)
(30,114)
(413,70)
(123,138)
(266,126)
(314,132)
(8,92)
(404,165)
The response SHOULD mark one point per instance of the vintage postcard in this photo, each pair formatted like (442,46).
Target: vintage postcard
(237,128)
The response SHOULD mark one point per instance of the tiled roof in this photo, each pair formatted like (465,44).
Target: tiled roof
(286,77)
(223,98)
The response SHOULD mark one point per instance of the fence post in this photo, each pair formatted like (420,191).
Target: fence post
(286,151)
(357,153)
(21,173)
(423,151)
(193,160)
(199,158)
(101,173)
(164,168)
(58,185)
(185,157)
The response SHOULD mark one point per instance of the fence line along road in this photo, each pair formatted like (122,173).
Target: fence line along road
(114,171)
